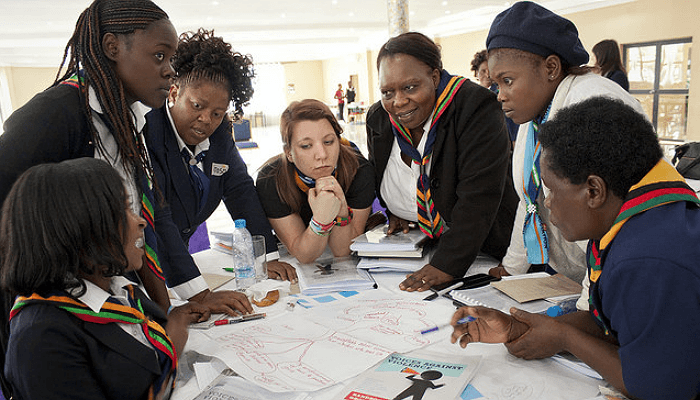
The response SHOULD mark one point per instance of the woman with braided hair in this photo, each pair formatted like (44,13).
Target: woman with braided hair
(197,164)
(118,61)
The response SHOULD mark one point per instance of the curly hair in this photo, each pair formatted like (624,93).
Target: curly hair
(201,55)
(479,58)
(604,137)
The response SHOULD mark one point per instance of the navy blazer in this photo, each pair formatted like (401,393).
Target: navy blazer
(470,176)
(235,187)
(54,355)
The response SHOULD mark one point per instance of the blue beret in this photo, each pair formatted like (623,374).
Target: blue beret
(530,27)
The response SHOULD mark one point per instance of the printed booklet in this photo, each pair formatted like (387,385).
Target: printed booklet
(414,376)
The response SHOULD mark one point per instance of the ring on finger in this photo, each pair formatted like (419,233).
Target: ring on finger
(424,281)
(459,339)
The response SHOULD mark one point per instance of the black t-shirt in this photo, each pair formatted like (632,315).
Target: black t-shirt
(359,195)
(350,95)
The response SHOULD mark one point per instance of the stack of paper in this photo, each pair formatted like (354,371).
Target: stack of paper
(332,275)
(222,242)
(391,264)
(376,243)
(489,296)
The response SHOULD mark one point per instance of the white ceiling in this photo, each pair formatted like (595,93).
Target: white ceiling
(35,32)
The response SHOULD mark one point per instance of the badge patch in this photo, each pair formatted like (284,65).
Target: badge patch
(218,169)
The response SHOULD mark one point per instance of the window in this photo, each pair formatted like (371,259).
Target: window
(659,76)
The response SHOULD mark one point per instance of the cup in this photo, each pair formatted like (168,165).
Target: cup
(259,254)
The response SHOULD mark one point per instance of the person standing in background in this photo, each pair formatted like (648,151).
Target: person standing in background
(608,62)
(350,93)
(341,101)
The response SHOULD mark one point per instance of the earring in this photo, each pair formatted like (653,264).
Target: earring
(171,104)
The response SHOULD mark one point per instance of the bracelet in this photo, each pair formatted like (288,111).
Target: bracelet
(343,221)
(319,228)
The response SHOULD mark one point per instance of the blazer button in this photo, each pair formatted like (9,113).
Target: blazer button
(186,230)
(435,183)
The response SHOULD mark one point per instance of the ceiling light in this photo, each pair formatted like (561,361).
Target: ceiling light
(448,12)
(444,3)
(352,14)
(283,15)
(214,3)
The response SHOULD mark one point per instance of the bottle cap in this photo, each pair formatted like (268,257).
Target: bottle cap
(239,223)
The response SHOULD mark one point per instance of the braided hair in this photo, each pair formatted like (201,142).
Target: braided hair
(119,17)
(201,55)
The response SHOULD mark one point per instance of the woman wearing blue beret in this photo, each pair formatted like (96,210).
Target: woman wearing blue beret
(535,57)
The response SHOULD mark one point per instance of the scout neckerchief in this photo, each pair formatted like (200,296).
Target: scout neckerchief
(147,197)
(662,185)
(429,220)
(305,182)
(534,230)
(114,311)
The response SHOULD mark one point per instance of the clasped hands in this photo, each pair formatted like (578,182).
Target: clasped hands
(525,335)
(327,200)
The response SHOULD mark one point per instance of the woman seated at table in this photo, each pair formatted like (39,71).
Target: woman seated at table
(320,190)
(196,162)
(609,183)
(78,329)
(441,155)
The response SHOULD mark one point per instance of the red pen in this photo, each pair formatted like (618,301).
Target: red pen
(242,318)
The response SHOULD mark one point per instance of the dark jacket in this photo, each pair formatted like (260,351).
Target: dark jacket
(235,187)
(54,355)
(470,176)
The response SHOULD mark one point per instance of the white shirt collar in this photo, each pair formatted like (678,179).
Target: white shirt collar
(203,146)
(95,297)
(138,109)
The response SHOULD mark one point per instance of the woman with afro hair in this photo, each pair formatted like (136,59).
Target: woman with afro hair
(196,163)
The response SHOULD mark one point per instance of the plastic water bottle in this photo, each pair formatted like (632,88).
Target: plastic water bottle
(242,249)
(562,308)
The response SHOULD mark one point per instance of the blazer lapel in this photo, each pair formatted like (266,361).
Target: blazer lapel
(121,342)
(179,175)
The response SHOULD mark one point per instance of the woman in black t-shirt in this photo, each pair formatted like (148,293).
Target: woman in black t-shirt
(320,190)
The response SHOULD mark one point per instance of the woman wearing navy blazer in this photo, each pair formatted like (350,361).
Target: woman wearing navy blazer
(78,328)
(189,140)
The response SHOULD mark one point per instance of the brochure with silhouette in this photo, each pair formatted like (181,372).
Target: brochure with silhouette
(419,375)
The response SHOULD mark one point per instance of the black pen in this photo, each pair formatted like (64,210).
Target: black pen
(443,291)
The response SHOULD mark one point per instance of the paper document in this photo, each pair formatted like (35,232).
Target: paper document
(332,275)
(426,375)
(524,290)
(376,240)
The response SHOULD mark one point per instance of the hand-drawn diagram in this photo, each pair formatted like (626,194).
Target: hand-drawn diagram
(389,322)
(293,353)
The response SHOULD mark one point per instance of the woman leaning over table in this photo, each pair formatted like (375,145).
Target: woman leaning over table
(78,328)
(320,190)
(189,140)
(535,57)
(438,142)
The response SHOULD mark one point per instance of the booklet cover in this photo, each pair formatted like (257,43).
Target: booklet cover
(416,375)
(377,241)
(332,275)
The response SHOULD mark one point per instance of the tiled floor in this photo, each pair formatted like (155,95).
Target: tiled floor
(269,145)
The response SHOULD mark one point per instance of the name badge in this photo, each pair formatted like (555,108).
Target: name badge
(218,169)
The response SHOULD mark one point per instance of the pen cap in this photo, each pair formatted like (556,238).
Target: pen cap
(239,223)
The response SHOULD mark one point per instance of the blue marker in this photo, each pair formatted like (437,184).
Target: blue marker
(462,321)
